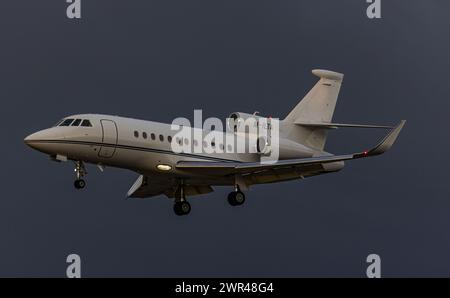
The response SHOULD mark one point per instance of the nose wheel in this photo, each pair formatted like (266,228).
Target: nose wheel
(80,172)
(79,184)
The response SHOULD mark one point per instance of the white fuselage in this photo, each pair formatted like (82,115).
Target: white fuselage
(142,146)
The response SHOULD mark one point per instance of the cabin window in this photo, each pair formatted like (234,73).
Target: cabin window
(186,141)
(76,122)
(66,122)
(136,134)
(144,135)
(86,123)
(195,143)
(213,144)
(169,139)
(161,138)
(153,136)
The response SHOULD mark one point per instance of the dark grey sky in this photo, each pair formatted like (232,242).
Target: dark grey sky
(158,60)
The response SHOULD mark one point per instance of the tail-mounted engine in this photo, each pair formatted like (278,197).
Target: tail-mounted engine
(252,125)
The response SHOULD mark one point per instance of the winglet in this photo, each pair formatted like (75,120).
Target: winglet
(385,144)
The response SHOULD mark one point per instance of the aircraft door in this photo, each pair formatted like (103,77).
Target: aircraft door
(109,138)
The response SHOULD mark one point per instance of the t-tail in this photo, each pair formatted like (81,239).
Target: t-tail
(308,123)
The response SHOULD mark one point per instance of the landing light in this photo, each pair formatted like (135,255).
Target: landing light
(164,167)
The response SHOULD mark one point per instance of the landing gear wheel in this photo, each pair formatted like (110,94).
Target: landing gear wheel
(80,171)
(182,208)
(236,198)
(79,184)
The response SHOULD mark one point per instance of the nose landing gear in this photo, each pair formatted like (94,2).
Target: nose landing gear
(80,171)
(79,184)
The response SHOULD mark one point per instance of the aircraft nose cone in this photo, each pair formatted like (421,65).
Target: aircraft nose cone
(42,140)
(34,139)
(30,139)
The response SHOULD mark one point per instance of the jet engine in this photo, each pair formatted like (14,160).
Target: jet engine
(237,120)
(262,146)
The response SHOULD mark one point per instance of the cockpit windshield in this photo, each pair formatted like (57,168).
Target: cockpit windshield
(66,122)
(74,122)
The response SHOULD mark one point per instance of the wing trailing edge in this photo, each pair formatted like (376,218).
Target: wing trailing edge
(248,167)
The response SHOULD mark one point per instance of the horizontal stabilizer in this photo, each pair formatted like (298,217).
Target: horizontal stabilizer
(337,125)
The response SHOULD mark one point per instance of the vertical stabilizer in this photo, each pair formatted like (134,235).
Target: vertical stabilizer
(317,106)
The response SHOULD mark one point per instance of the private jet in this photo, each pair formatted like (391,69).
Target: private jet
(145,147)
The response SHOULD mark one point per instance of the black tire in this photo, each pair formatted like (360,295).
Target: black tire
(231,200)
(176,209)
(236,198)
(182,208)
(239,198)
(79,184)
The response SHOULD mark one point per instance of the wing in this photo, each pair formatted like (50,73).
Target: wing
(225,168)
(146,187)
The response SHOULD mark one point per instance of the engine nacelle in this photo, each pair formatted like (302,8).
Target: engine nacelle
(265,143)
(236,121)
(247,125)
(262,146)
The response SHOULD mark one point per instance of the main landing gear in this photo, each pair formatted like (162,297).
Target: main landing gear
(181,206)
(80,172)
(236,198)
